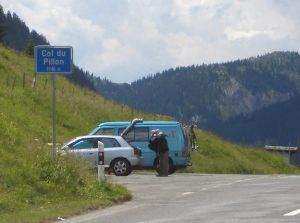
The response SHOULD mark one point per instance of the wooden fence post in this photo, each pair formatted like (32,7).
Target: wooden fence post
(23,80)
(14,83)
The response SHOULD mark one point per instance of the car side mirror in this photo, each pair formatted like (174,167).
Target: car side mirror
(65,148)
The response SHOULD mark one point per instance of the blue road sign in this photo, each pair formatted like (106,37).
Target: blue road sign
(53,59)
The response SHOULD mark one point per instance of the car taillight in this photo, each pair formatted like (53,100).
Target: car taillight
(137,152)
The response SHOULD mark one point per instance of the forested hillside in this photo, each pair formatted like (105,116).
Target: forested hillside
(278,124)
(212,94)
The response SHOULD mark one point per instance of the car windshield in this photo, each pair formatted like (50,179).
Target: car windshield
(105,131)
(93,132)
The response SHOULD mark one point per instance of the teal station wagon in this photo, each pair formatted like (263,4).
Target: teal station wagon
(138,134)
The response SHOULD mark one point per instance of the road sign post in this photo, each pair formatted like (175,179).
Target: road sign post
(53,60)
(54,116)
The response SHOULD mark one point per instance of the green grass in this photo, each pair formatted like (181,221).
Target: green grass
(36,188)
(220,156)
(45,189)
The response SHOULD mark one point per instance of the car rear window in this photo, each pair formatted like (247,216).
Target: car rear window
(110,142)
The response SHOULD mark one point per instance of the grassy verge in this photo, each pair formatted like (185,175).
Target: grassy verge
(34,187)
(219,156)
(54,208)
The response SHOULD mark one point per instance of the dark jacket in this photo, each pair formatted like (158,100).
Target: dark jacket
(153,143)
(159,144)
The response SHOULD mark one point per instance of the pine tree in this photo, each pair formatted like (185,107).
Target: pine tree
(2,24)
(29,48)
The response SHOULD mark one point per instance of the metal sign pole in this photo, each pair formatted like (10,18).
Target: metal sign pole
(54,116)
(53,60)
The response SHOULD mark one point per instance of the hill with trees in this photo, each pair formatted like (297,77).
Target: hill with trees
(2,22)
(277,124)
(211,95)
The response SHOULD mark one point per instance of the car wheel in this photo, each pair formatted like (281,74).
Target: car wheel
(121,167)
(172,168)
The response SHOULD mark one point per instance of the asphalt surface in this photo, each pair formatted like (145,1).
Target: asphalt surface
(203,198)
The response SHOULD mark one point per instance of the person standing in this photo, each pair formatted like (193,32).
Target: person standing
(163,154)
(158,143)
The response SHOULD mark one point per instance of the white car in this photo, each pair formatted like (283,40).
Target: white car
(120,156)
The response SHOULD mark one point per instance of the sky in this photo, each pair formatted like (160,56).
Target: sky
(124,40)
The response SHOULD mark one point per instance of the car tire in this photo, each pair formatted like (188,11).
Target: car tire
(121,167)
(172,168)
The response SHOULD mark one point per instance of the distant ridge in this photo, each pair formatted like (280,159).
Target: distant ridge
(210,95)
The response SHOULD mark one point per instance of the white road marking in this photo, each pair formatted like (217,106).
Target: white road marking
(292,213)
(229,183)
(187,193)
(243,180)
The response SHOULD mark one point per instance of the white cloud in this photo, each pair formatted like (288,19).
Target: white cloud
(234,35)
(112,50)
(250,19)
(125,40)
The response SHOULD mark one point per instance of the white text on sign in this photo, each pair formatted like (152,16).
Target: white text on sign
(53,61)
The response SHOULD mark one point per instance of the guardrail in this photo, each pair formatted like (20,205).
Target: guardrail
(281,148)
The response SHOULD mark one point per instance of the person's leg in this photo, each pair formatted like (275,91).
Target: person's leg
(164,163)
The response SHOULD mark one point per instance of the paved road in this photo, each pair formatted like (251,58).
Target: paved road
(204,198)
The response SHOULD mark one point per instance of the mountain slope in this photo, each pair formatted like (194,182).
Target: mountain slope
(278,124)
(212,94)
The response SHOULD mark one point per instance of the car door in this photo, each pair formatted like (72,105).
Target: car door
(87,149)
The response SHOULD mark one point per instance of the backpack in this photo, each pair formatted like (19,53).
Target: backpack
(162,144)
